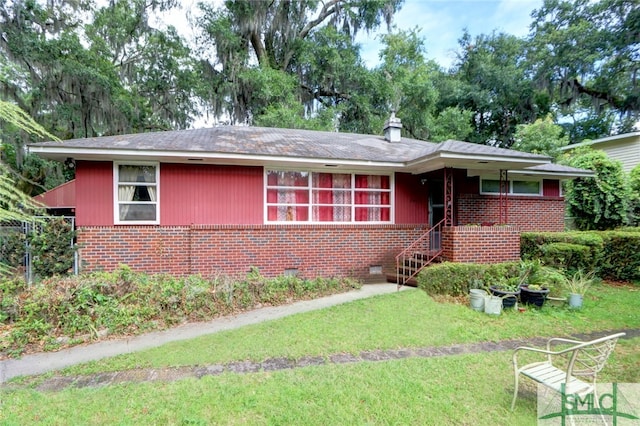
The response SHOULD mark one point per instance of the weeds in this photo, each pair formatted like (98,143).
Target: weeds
(68,310)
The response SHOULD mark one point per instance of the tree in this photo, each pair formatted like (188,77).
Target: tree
(585,53)
(310,40)
(634,185)
(492,81)
(15,204)
(113,75)
(541,137)
(601,202)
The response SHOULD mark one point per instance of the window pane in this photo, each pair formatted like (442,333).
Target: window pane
(332,213)
(331,197)
(279,178)
(490,185)
(132,212)
(136,173)
(331,180)
(526,187)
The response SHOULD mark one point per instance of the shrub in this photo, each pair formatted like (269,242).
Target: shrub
(60,310)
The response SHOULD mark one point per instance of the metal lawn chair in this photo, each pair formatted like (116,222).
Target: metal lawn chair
(573,369)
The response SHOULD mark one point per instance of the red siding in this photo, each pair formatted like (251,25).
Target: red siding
(62,196)
(551,188)
(94,193)
(208,195)
(411,200)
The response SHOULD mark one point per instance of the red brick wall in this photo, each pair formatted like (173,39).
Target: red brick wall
(481,244)
(315,250)
(527,213)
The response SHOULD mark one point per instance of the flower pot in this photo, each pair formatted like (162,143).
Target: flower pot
(476,299)
(575,300)
(492,305)
(507,302)
(533,297)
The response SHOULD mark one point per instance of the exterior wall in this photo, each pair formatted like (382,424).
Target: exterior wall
(527,213)
(315,250)
(213,195)
(481,244)
(411,200)
(626,151)
(94,193)
(205,194)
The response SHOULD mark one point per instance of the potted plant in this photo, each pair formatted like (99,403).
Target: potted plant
(577,285)
(508,289)
(540,281)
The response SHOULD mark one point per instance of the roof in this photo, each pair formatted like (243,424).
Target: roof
(274,147)
(622,138)
(62,196)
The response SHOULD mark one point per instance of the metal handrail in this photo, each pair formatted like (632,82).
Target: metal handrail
(433,250)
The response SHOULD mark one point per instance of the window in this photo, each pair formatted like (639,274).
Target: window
(136,192)
(516,187)
(297,196)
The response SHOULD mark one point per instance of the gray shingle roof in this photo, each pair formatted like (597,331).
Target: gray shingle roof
(303,145)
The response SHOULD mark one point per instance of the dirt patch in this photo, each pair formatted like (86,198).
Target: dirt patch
(57,383)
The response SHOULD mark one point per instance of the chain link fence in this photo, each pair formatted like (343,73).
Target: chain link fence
(24,250)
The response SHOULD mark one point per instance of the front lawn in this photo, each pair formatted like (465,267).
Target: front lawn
(456,389)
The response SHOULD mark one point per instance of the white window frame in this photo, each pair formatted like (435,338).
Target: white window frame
(510,187)
(117,202)
(311,204)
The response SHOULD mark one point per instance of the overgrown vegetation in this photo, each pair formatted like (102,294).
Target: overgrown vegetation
(49,242)
(62,311)
(611,254)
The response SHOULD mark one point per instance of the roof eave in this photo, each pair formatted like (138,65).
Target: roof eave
(61,153)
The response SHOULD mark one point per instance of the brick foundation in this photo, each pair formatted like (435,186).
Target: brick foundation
(314,250)
(481,244)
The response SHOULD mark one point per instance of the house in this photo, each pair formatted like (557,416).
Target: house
(225,199)
(624,148)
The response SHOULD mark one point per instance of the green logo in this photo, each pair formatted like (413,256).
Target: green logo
(612,405)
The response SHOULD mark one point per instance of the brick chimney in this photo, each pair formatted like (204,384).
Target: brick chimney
(392,128)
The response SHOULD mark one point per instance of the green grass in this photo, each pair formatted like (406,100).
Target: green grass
(461,389)
(407,319)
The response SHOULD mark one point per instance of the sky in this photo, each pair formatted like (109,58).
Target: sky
(442,23)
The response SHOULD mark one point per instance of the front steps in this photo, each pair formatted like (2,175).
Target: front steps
(412,265)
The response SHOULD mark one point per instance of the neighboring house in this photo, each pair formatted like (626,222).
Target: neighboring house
(624,148)
(225,199)
(59,201)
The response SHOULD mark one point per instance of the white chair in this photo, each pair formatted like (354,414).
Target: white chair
(567,366)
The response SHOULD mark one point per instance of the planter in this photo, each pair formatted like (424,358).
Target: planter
(476,299)
(533,297)
(556,301)
(492,305)
(575,300)
(507,302)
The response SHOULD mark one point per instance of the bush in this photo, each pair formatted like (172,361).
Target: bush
(60,310)
(611,254)
(456,279)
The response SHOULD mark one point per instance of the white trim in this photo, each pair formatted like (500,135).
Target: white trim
(116,202)
(351,205)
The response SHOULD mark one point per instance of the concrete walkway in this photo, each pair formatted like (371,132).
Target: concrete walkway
(49,361)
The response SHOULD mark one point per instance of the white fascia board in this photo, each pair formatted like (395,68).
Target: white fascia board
(453,157)
(195,157)
(550,174)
